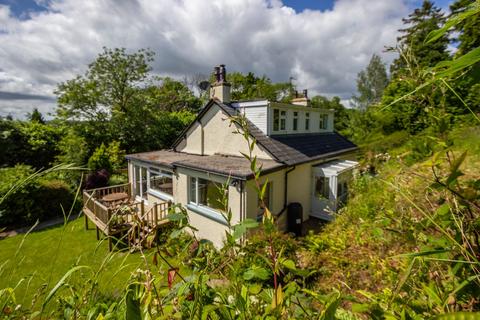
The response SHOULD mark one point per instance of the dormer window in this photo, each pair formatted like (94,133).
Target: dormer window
(279,119)
(323,121)
(307,121)
(295,121)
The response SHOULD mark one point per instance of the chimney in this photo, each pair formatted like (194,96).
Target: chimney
(220,89)
(301,101)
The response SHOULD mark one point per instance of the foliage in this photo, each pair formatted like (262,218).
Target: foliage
(468,29)
(97,179)
(341,118)
(419,24)
(118,100)
(110,158)
(370,83)
(30,143)
(250,86)
(37,199)
(36,116)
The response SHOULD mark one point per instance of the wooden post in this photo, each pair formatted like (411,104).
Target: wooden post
(155,212)
(98,234)
(142,209)
(109,243)
(86,221)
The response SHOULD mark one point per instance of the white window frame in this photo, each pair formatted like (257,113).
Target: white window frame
(307,121)
(323,121)
(295,121)
(157,193)
(199,208)
(135,179)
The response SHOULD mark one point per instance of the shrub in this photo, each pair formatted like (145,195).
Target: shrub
(109,158)
(32,200)
(97,179)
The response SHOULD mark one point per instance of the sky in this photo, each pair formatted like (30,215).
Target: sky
(322,44)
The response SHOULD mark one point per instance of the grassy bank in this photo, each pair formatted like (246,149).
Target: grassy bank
(37,261)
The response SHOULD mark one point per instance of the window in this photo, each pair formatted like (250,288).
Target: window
(266,200)
(207,193)
(307,121)
(161,181)
(283,120)
(276,119)
(323,121)
(279,119)
(295,121)
(322,189)
(342,192)
(141,182)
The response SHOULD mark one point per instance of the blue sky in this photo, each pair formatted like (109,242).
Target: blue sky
(21,8)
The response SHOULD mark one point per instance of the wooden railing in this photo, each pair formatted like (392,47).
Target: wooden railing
(101,192)
(157,213)
(130,213)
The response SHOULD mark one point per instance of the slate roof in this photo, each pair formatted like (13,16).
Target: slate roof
(233,166)
(297,148)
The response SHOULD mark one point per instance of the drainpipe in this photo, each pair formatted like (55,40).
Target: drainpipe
(285,192)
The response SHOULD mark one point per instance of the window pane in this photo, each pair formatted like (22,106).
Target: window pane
(322,190)
(137,180)
(162,182)
(307,124)
(144,182)
(193,190)
(210,194)
(276,119)
(323,121)
(283,119)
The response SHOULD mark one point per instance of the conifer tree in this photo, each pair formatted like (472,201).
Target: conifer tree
(419,24)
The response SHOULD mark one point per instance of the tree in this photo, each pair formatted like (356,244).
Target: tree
(341,113)
(116,99)
(172,95)
(370,83)
(468,30)
(250,86)
(420,23)
(36,116)
(107,88)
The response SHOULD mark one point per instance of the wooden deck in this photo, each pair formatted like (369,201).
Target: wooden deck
(114,212)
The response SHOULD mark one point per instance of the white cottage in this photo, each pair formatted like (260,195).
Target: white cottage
(303,159)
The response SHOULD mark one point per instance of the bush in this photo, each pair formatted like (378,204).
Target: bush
(110,158)
(97,179)
(29,201)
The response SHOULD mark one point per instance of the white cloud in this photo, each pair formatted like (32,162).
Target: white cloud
(323,50)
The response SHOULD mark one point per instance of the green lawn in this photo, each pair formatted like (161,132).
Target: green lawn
(45,256)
